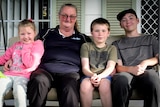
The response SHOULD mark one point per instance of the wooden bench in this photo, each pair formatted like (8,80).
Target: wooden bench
(52,95)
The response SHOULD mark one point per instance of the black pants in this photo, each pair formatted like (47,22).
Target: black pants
(148,84)
(41,82)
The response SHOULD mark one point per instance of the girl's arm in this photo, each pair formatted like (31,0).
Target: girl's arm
(31,54)
(7,65)
(7,55)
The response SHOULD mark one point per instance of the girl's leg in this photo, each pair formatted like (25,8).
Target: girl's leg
(105,93)
(86,91)
(19,91)
(6,84)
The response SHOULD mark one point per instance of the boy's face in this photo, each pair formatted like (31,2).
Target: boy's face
(129,22)
(26,34)
(100,33)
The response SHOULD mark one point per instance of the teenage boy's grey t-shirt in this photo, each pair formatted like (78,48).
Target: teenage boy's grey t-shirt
(133,50)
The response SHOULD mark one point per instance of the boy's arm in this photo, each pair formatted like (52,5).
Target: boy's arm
(109,69)
(86,68)
(112,60)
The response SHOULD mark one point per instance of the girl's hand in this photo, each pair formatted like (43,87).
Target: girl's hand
(7,65)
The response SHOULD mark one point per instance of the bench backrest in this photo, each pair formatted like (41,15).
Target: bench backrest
(109,40)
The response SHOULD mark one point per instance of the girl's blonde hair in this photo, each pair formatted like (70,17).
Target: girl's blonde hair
(27,22)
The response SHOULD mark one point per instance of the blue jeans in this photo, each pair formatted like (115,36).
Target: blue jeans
(108,77)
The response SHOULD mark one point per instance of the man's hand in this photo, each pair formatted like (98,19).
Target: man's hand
(137,70)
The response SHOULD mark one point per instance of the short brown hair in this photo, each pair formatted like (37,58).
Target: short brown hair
(100,21)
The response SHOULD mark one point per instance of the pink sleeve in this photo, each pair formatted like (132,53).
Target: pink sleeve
(7,55)
(31,54)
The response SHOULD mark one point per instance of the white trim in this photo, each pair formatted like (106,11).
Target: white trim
(138,10)
(136,5)
(29,9)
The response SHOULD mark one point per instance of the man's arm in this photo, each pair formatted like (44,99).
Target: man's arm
(150,62)
(138,69)
(135,70)
(120,67)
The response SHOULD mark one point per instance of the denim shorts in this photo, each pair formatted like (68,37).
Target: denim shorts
(108,77)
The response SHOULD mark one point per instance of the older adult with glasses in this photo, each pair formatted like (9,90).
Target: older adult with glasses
(60,65)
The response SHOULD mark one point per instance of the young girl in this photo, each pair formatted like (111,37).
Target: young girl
(25,56)
(98,62)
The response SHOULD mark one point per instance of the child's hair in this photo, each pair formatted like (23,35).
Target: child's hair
(100,21)
(26,23)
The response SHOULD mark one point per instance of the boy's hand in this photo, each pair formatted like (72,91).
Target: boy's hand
(95,80)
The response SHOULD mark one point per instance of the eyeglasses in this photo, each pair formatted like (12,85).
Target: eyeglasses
(65,16)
